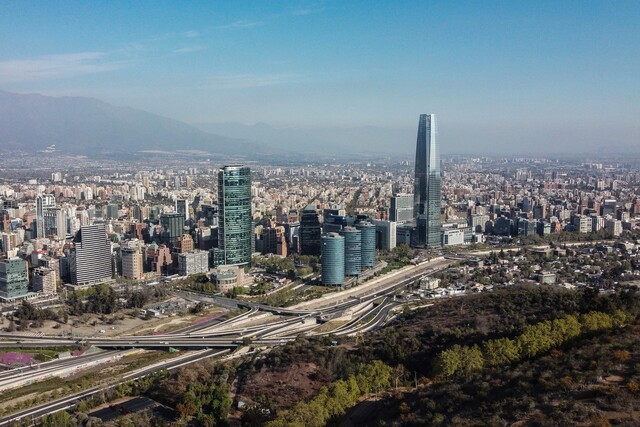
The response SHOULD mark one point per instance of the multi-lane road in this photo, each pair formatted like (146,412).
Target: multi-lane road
(71,400)
(365,307)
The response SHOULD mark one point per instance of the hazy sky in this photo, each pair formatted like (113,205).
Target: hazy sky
(495,73)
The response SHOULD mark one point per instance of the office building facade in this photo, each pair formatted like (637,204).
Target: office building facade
(427,185)
(368,239)
(91,257)
(14,281)
(194,262)
(352,251)
(182,207)
(401,208)
(310,232)
(235,222)
(332,259)
(385,234)
(172,227)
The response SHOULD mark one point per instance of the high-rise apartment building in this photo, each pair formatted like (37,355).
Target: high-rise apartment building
(44,202)
(5,220)
(44,280)
(132,263)
(185,244)
(234,216)
(60,222)
(582,223)
(159,259)
(426,193)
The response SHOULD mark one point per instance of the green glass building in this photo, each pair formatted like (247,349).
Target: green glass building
(14,282)
(235,225)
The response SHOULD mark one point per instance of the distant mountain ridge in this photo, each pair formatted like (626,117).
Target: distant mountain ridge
(79,125)
(334,140)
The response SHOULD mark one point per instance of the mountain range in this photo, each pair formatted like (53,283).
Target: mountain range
(87,126)
(338,141)
(79,125)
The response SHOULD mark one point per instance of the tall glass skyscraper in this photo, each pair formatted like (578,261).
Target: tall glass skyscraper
(310,231)
(332,259)
(368,232)
(352,251)
(234,215)
(426,188)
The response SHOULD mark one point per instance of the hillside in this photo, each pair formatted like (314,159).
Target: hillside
(78,125)
(576,362)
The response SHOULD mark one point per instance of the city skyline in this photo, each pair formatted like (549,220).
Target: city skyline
(222,213)
(123,268)
(505,78)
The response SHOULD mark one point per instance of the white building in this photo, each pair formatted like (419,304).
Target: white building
(582,223)
(615,226)
(193,262)
(453,236)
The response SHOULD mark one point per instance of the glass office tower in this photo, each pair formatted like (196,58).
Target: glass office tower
(332,259)
(352,251)
(234,215)
(368,232)
(310,232)
(426,188)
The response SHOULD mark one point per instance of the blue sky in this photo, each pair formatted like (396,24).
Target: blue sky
(556,73)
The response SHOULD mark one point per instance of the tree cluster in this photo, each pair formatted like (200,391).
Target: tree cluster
(562,387)
(27,313)
(199,392)
(534,340)
(101,299)
(333,401)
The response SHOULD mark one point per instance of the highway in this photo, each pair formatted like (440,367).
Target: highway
(18,377)
(230,333)
(367,306)
(69,401)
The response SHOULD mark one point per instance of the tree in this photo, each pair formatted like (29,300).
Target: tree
(500,352)
(449,362)
(57,419)
(198,308)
